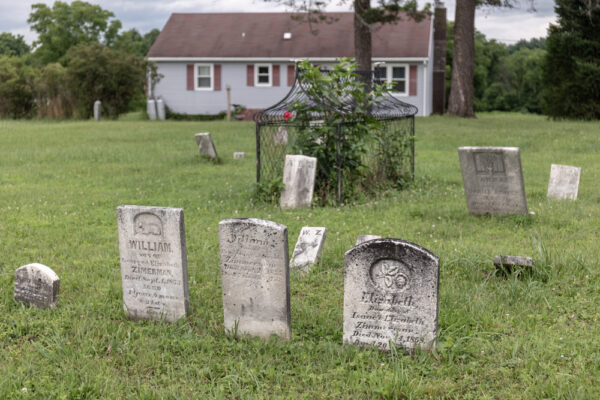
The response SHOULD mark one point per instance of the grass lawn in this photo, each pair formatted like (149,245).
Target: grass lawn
(528,337)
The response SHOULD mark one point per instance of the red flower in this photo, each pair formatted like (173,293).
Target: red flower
(287,115)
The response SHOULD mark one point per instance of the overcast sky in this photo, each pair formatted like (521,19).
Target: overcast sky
(506,25)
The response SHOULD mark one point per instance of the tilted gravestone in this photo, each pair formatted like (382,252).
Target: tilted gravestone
(206,145)
(493,180)
(308,247)
(564,182)
(255,277)
(37,285)
(509,263)
(299,174)
(363,238)
(153,262)
(391,295)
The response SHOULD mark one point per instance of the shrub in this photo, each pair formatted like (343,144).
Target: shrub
(16,88)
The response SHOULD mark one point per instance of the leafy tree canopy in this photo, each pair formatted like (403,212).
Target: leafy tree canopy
(66,25)
(12,46)
(133,42)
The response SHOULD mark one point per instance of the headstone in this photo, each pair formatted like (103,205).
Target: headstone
(493,180)
(391,294)
(160,110)
(564,182)
(508,263)
(280,137)
(151,109)
(238,155)
(97,109)
(363,238)
(153,262)
(255,277)
(37,285)
(308,247)
(299,174)
(206,145)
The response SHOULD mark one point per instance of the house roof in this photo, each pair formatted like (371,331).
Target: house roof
(253,35)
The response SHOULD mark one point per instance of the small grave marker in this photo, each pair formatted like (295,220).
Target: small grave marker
(564,182)
(508,263)
(37,285)
(238,155)
(97,109)
(153,262)
(299,174)
(206,145)
(363,238)
(391,294)
(308,247)
(280,136)
(255,277)
(493,180)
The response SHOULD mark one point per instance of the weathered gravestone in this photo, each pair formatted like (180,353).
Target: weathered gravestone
(391,294)
(97,109)
(364,238)
(37,285)
(238,155)
(299,179)
(280,136)
(255,277)
(564,182)
(509,263)
(206,145)
(308,247)
(493,180)
(153,262)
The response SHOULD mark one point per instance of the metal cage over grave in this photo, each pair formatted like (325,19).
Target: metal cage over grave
(389,154)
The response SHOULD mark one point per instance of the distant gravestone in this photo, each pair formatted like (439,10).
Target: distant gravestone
(299,174)
(151,109)
(206,145)
(97,109)
(160,110)
(564,182)
(37,285)
(391,294)
(493,180)
(308,247)
(280,137)
(238,155)
(153,262)
(508,263)
(255,277)
(363,238)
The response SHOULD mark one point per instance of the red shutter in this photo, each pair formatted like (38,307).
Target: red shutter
(250,75)
(190,77)
(291,76)
(275,75)
(217,71)
(412,88)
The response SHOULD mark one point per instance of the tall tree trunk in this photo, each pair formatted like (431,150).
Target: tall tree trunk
(362,36)
(460,102)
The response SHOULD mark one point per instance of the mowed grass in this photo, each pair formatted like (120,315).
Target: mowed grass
(524,336)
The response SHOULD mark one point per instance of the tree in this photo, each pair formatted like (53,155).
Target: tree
(16,88)
(572,70)
(460,102)
(133,42)
(66,25)
(12,46)
(96,72)
(365,17)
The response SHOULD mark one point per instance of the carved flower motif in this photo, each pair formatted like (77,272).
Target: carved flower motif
(389,276)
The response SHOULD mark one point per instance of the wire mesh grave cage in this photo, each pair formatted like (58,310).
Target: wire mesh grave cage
(385,152)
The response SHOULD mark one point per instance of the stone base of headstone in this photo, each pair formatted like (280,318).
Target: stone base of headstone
(507,264)
(391,291)
(299,174)
(153,262)
(205,145)
(37,285)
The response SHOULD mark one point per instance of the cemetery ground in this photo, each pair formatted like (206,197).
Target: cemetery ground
(522,336)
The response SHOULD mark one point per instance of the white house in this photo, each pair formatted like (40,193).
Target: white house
(255,54)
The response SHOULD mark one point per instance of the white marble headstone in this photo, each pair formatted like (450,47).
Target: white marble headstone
(493,180)
(255,277)
(238,155)
(206,145)
(280,136)
(37,285)
(564,182)
(153,262)
(391,291)
(308,247)
(299,174)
